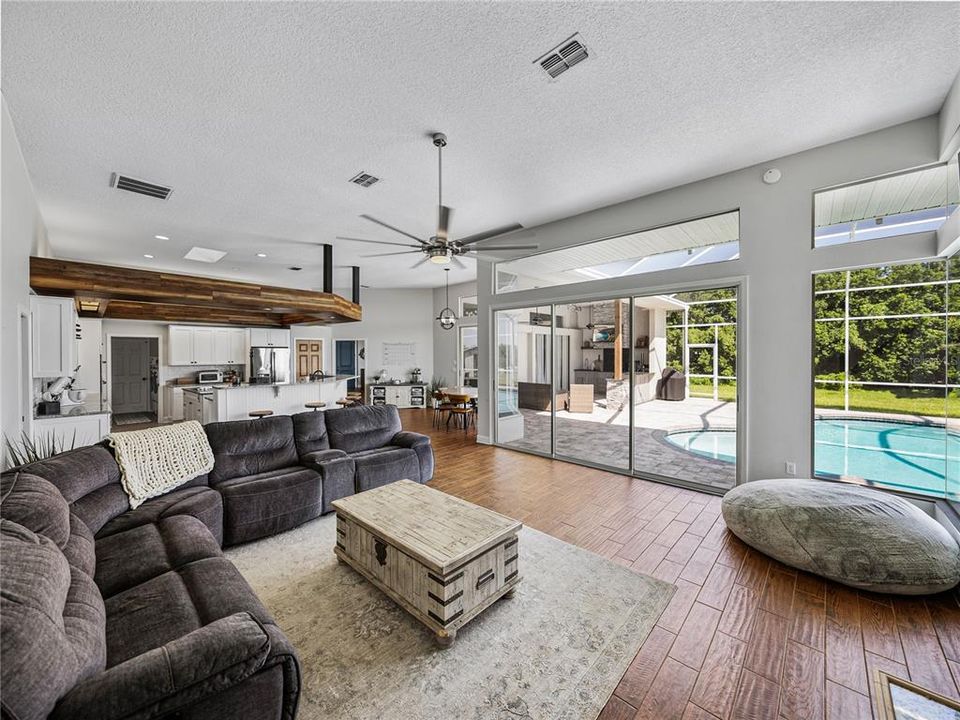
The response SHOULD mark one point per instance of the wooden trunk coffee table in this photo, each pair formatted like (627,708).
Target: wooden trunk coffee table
(440,558)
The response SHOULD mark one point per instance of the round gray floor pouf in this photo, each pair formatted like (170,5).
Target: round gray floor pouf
(860,537)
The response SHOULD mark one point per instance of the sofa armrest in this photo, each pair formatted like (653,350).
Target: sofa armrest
(173,676)
(322,456)
(407,439)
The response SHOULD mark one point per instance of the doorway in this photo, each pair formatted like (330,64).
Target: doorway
(309,357)
(134,365)
(350,358)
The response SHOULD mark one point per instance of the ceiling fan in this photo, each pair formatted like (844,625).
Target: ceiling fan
(441,248)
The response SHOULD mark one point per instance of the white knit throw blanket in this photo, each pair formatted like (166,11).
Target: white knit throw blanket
(155,461)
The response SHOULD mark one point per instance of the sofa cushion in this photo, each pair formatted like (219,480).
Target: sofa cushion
(385,465)
(53,624)
(80,550)
(200,502)
(360,428)
(174,604)
(337,474)
(36,504)
(310,432)
(88,477)
(857,536)
(134,556)
(250,447)
(268,503)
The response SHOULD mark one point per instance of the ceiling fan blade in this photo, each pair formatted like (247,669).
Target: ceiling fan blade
(376,242)
(456,261)
(420,262)
(402,252)
(505,247)
(489,234)
(391,227)
(443,222)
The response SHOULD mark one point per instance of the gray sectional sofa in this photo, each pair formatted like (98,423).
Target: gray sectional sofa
(108,612)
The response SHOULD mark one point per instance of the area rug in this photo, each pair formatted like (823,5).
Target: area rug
(556,650)
(133,419)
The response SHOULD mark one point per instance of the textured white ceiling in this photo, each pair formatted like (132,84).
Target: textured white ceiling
(258,114)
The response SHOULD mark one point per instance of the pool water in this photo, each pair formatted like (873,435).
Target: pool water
(912,457)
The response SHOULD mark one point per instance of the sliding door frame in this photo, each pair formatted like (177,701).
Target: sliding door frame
(739,283)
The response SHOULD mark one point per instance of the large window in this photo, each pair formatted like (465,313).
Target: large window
(469,356)
(909,202)
(883,388)
(696,242)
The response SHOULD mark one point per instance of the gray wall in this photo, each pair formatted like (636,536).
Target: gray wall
(775,268)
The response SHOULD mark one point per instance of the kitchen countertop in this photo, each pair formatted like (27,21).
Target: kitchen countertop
(327,379)
(74,411)
(402,384)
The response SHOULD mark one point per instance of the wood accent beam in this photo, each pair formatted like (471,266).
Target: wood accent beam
(136,294)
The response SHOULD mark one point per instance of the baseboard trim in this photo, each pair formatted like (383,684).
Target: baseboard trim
(483,440)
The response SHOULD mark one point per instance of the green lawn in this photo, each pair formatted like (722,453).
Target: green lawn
(887,401)
(726,390)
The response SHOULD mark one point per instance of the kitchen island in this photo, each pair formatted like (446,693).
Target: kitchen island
(234,402)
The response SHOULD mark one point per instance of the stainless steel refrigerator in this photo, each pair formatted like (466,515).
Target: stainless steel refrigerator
(269,365)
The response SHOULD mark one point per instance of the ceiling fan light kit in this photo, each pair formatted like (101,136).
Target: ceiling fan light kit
(441,249)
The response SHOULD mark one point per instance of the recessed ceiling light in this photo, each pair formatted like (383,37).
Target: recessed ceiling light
(161,237)
(261,254)
(148,256)
(204,255)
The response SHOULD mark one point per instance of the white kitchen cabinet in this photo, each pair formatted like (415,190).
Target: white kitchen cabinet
(208,412)
(230,346)
(192,406)
(54,329)
(73,430)
(269,337)
(203,353)
(180,342)
(238,346)
(173,402)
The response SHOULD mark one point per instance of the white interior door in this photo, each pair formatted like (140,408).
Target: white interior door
(130,370)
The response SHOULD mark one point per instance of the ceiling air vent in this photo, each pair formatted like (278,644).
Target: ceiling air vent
(295,268)
(364,179)
(564,56)
(124,182)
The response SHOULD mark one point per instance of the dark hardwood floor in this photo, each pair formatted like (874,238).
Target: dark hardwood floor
(744,637)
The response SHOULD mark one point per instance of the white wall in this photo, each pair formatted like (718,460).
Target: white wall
(22,232)
(388,316)
(949,133)
(776,263)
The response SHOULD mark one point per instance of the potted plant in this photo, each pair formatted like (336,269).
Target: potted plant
(27,450)
(435,384)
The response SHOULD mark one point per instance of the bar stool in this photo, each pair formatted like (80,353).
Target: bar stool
(344,402)
(260,413)
(314,405)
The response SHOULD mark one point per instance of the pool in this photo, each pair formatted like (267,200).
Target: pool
(897,454)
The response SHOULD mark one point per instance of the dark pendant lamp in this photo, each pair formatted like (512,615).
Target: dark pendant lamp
(447,317)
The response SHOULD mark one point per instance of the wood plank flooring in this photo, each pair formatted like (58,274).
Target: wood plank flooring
(744,638)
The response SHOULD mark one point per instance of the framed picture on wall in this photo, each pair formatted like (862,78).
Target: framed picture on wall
(604,333)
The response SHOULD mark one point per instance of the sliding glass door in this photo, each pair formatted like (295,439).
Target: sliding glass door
(643,384)
(592,360)
(685,387)
(524,378)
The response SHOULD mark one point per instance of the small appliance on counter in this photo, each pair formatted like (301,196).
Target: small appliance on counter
(209,377)
(415,376)
(59,393)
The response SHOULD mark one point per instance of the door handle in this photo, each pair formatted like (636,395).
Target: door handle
(485,578)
